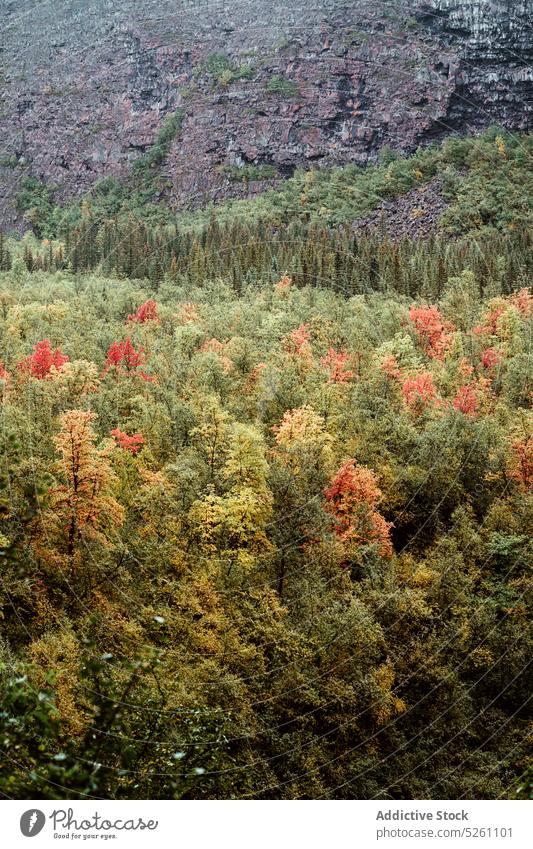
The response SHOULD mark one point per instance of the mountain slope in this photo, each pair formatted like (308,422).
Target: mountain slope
(261,88)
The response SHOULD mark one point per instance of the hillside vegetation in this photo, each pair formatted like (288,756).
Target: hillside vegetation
(265,509)
(487,184)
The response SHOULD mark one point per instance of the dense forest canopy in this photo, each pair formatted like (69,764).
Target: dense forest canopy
(265,513)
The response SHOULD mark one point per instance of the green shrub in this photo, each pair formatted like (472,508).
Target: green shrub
(156,154)
(36,201)
(278,84)
(224,71)
(8,161)
(248,173)
(217,63)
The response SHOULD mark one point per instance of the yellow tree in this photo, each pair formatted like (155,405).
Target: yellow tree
(81,509)
(302,441)
(233,526)
(212,434)
(302,461)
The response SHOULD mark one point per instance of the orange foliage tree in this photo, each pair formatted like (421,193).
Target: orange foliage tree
(432,331)
(146,312)
(82,509)
(351,499)
(419,391)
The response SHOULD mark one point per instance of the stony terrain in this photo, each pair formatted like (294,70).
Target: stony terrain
(415,214)
(265,87)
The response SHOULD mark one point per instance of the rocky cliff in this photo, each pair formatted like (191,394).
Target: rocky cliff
(265,87)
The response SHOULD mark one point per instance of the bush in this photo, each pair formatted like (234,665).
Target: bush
(224,71)
(36,201)
(248,173)
(278,84)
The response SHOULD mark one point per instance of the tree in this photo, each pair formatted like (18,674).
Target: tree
(335,363)
(419,392)
(352,498)
(301,438)
(433,332)
(521,462)
(82,509)
(132,443)
(298,340)
(43,360)
(466,400)
(146,312)
(234,524)
(490,358)
(122,358)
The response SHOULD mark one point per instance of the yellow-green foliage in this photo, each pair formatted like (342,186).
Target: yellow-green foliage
(271,544)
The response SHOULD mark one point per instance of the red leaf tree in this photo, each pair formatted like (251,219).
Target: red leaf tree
(124,359)
(521,464)
(469,398)
(389,366)
(432,331)
(298,340)
(351,499)
(490,321)
(146,312)
(490,358)
(40,363)
(335,363)
(419,392)
(523,301)
(132,443)
(466,400)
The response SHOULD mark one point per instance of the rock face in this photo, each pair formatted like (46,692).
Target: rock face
(85,84)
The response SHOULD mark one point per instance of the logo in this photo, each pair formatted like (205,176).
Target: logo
(32,822)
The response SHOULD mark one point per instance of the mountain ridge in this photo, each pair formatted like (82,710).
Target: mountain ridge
(263,89)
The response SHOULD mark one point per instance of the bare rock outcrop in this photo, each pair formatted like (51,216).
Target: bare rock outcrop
(266,87)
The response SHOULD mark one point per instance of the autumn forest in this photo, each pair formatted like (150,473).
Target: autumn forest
(265,491)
